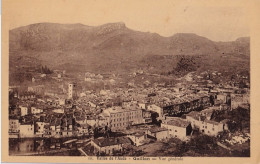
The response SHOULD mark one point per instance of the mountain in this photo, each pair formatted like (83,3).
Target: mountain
(108,47)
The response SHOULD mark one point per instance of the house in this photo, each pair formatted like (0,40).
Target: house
(66,128)
(137,138)
(24,110)
(195,119)
(142,105)
(239,99)
(40,128)
(206,126)
(177,127)
(158,133)
(27,130)
(156,109)
(109,145)
(147,116)
(222,97)
(36,110)
(83,129)
(14,126)
(211,128)
(208,113)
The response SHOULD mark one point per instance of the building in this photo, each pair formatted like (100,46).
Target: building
(27,130)
(147,116)
(35,110)
(158,133)
(39,89)
(206,126)
(40,128)
(24,110)
(222,98)
(83,129)
(119,118)
(177,127)
(238,100)
(212,128)
(137,138)
(195,119)
(186,104)
(14,126)
(108,146)
(156,109)
(72,91)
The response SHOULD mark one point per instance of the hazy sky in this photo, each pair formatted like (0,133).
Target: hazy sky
(215,20)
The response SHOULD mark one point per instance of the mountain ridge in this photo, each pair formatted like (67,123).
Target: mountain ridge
(110,44)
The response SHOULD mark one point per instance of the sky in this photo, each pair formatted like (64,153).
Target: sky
(216,20)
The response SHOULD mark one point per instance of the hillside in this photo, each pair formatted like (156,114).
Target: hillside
(110,47)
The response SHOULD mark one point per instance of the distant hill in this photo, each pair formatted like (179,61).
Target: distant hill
(110,47)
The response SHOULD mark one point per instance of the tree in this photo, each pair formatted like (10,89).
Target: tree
(184,65)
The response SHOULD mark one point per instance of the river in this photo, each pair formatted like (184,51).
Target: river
(48,146)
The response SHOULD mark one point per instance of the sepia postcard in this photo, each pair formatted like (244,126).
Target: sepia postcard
(130,81)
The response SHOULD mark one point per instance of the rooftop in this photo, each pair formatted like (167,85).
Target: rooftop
(103,142)
(177,122)
(158,129)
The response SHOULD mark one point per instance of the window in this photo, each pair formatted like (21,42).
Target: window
(213,129)
(175,130)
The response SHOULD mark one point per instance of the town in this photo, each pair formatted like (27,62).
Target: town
(58,113)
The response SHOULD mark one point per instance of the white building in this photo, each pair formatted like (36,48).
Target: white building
(26,130)
(211,128)
(120,118)
(138,138)
(177,127)
(35,110)
(24,110)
